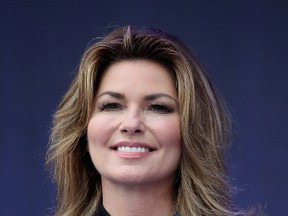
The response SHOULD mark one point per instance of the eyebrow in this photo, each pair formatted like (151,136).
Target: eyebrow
(146,98)
(158,95)
(112,94)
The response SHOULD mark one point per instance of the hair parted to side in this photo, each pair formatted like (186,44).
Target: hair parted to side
(201,187)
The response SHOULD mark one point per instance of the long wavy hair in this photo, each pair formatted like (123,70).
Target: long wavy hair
(201,187)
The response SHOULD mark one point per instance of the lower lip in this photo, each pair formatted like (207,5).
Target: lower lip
(132,155)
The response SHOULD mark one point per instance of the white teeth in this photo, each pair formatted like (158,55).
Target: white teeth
(132,149)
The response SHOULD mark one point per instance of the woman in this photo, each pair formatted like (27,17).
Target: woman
(140,131)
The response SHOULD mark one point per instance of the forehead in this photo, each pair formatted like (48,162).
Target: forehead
(132,75)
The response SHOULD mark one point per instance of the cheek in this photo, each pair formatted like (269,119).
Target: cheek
(98,131)
(169,136)
(169,133)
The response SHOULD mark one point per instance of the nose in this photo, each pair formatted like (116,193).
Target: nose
(132,123)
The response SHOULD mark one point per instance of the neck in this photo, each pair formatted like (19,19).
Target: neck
(139,200)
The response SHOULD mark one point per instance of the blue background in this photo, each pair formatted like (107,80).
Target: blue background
(243,45)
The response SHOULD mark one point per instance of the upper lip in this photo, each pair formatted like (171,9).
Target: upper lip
(132,144)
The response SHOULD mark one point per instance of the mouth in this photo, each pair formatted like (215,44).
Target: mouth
(129,147)
(132,149)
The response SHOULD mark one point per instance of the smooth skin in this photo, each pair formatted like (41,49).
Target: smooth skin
(134,138)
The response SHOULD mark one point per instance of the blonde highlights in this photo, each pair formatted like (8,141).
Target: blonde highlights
(201,187)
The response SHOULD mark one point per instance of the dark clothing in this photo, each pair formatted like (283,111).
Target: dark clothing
(102,212)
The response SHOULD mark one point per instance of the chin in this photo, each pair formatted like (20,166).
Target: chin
(133,178)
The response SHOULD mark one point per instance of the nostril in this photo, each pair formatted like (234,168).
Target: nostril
(138,131)
(132,126)
(131,131)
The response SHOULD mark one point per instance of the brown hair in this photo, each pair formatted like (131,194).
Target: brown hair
(201,187)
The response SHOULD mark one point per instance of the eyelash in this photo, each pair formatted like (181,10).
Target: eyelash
(158,108)
(110,106)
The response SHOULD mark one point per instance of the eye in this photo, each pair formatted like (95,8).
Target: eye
(110,106)
(160,108)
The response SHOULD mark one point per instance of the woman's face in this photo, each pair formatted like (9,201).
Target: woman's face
(134,133)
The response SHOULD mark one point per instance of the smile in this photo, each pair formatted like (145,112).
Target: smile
(132,149)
